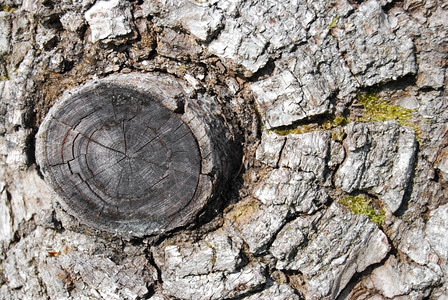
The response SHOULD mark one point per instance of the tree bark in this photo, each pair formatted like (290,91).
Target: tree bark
(223,149)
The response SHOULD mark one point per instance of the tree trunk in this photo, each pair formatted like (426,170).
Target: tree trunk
(228,149)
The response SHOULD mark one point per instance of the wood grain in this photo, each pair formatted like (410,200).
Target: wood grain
(120,160)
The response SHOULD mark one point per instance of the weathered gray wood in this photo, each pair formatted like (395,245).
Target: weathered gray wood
(120,161)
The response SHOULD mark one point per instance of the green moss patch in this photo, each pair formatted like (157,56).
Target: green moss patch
(326,124)
(214,253)
(333,23)
(359,205)
(380,110)
(292,130)
(375,109)
(7,8)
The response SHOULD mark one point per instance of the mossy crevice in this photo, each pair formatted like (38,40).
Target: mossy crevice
(359,205)
(213,260)
(334,23)
(7,8)
(326,123)
(374,109)
(243,211)
(377,109)
(251,207)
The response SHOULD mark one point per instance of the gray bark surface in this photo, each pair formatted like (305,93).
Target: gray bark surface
(270,97)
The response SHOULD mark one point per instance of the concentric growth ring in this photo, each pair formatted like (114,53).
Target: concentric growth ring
(118,159)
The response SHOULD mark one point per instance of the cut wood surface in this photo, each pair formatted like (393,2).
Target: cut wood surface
(118,159)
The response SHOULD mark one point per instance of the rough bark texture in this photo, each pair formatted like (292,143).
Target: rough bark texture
(340,108)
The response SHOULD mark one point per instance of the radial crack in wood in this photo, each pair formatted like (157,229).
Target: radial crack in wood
(120,161)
